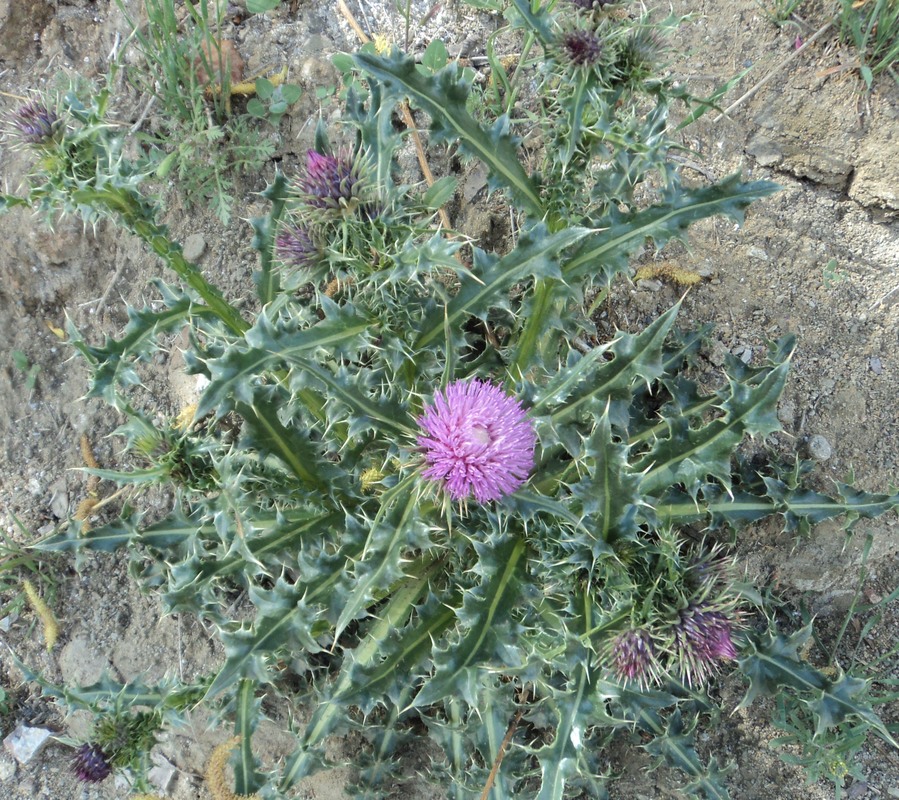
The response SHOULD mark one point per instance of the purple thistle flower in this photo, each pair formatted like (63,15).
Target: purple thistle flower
(582,48)
(701,638)
(477,441)
(91,764)
(295,247)
(328,182)
(633,657)
(35,123)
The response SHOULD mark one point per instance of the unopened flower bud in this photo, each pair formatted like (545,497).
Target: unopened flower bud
(91,764)
(35,123)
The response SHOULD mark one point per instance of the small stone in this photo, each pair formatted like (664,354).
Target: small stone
(718,353)
(7,768)
(59,499)
(876,365)
(162,773)
(24,743)
(759,253)
(649,285)
(786,412)
(819,448)
(194,247)
(857,790)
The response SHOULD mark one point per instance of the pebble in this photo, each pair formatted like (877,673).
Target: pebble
(59,498)
(876,365)
(24,743)
(786,412)
(7,768)
(857,790)
(819,448)
(162,773)
(194,247)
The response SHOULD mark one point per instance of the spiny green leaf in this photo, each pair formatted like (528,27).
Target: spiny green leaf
(397,525)
(484,612)
(673,742)
(773,662)
(233,374)
(284,618)
(264,431)
(487,285)
(609,494)
(444,96)
(364,656)
(579,392)
(606,253)
(690,454)
(113,360)
(265,229)
(407,648)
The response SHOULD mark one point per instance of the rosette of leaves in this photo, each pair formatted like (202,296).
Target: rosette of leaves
(491,626)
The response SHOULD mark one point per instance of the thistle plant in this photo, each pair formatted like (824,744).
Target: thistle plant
(447,513)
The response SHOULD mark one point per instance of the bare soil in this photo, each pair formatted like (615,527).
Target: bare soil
(820,258)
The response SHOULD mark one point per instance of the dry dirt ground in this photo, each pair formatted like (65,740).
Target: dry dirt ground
(820,258)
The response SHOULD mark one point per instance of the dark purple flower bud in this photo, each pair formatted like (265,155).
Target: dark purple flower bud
(36,123)
(701,638)
(328,182)
(294,246)
(90,764)
(582,48)
(633,657)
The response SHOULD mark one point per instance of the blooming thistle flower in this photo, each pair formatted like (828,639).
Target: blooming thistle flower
(91,764)
(477,441)
(328,182)
(294,246)
(702,637)
(582,48)
(35,123)
(633,658)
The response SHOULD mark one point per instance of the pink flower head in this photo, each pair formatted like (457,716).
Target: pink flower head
(477,441)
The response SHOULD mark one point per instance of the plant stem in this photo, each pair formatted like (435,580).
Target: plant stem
(129,210)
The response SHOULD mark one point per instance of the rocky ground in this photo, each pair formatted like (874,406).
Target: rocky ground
(820,258)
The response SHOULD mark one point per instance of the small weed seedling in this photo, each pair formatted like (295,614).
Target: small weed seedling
(779,11)
(872,28)
(272,101)
(831,274)
(189,72)
(26,368)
